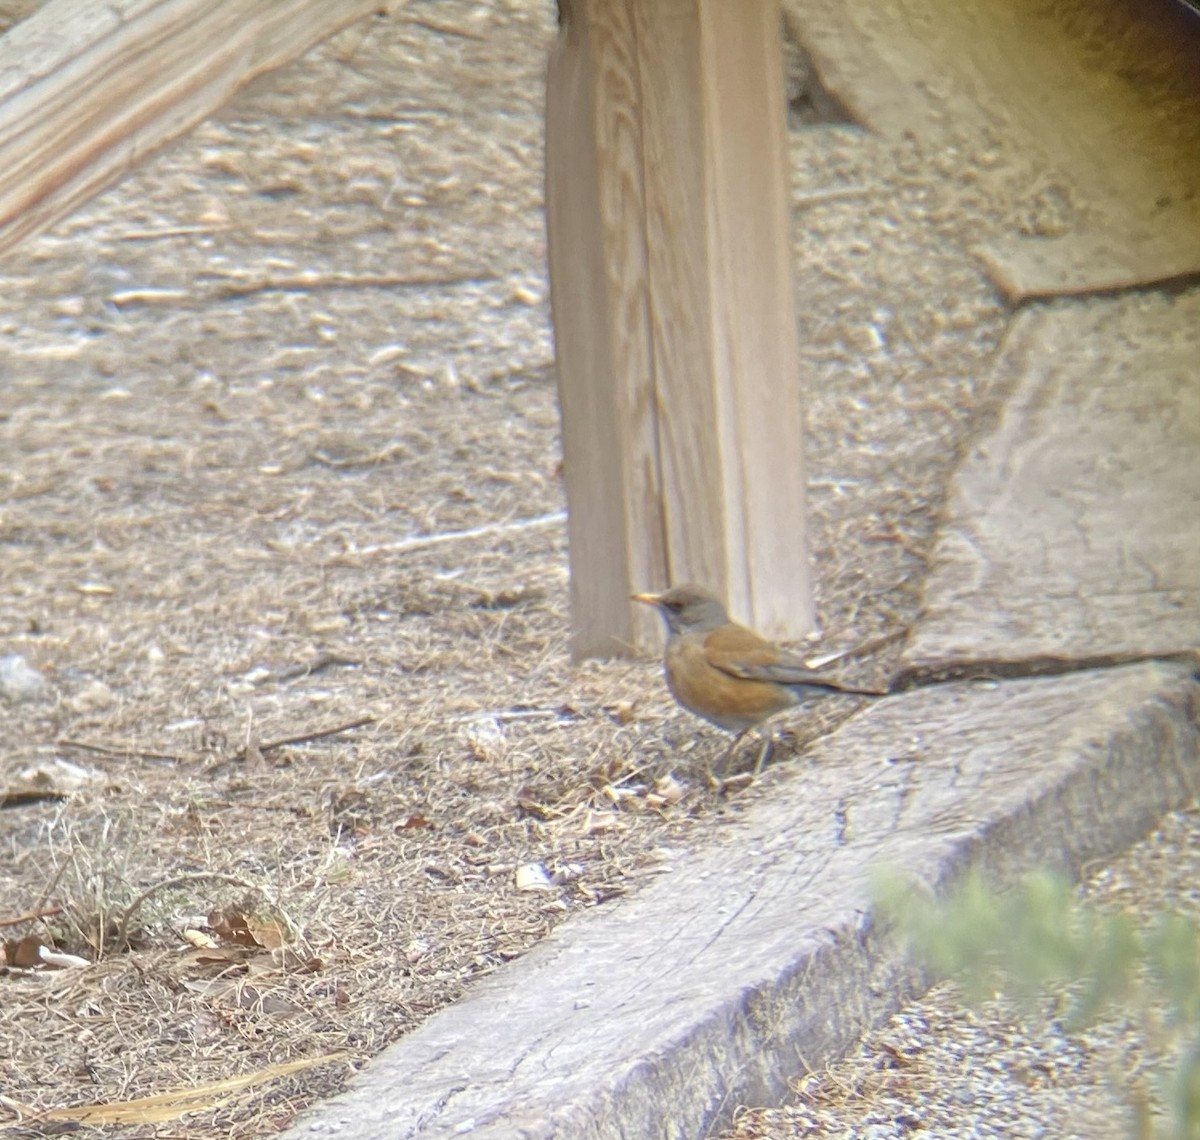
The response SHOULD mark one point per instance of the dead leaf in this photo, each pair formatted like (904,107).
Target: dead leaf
(622,712)
(199,939)
(416,950)
(485,740)
(413,823)
(23,953)
(231,926)
(670,789)
(247,930)
(268,933)
(601,821)
(535,808)
(223,956)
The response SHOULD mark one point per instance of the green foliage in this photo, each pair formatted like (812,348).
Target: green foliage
(1038,939)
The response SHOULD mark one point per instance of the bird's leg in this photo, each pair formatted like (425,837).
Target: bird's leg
(730,749)
(718,771)
(765,751)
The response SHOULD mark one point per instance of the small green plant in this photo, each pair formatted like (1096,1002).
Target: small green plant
(1039,940)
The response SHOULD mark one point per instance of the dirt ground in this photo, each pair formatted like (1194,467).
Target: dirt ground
(281,525)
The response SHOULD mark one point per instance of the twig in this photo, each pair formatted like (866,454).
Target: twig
(487,529)
(863,650)
(168,232)
(446,29)
(223,288)
(160,1107)
(309,737)
(118,753)
(833,194)
(232,290)
(323,661)
(32,916)
(505,715)
(138,753)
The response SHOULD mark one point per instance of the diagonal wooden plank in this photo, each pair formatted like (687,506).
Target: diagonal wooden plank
(88,90)
(1095,100)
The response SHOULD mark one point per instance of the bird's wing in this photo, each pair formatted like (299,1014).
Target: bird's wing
(740,652)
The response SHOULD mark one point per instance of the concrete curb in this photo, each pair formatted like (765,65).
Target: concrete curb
(658,1014)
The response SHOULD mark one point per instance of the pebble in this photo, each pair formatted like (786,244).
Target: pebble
(19,681)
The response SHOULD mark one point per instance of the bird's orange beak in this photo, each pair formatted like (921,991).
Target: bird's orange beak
(648,599)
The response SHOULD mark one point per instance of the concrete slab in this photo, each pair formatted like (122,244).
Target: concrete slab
(1073,529)
(656,1015)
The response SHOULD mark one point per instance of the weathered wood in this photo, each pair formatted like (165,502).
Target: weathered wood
(759,958)
(88,89)
(1094,103)
(1073,527)
(670,264)
(595,219)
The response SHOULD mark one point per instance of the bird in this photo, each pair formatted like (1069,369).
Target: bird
(726,673)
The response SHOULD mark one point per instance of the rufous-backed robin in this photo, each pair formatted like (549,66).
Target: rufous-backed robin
(726,673)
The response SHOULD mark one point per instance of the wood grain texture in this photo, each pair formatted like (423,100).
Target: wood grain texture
(594,220)
(722,306)
(1096,99)
(1073,527)
(674,312)
(752,294)
(89,89)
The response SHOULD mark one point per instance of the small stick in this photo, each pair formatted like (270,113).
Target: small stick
(321,662)
(833,194)
(119,753)
(232,290)
(142,754)
(168,232)
(32,916)
(488,529)
(446,29)
(309,737)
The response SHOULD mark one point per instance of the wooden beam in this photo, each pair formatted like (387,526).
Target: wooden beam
(88,89)
(670,261)
(595,218)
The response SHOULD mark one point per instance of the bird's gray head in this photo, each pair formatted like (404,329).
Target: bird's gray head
(687,609)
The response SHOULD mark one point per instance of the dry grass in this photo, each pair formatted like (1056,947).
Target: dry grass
(237,397)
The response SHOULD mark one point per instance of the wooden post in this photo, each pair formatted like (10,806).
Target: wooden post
(670,264)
